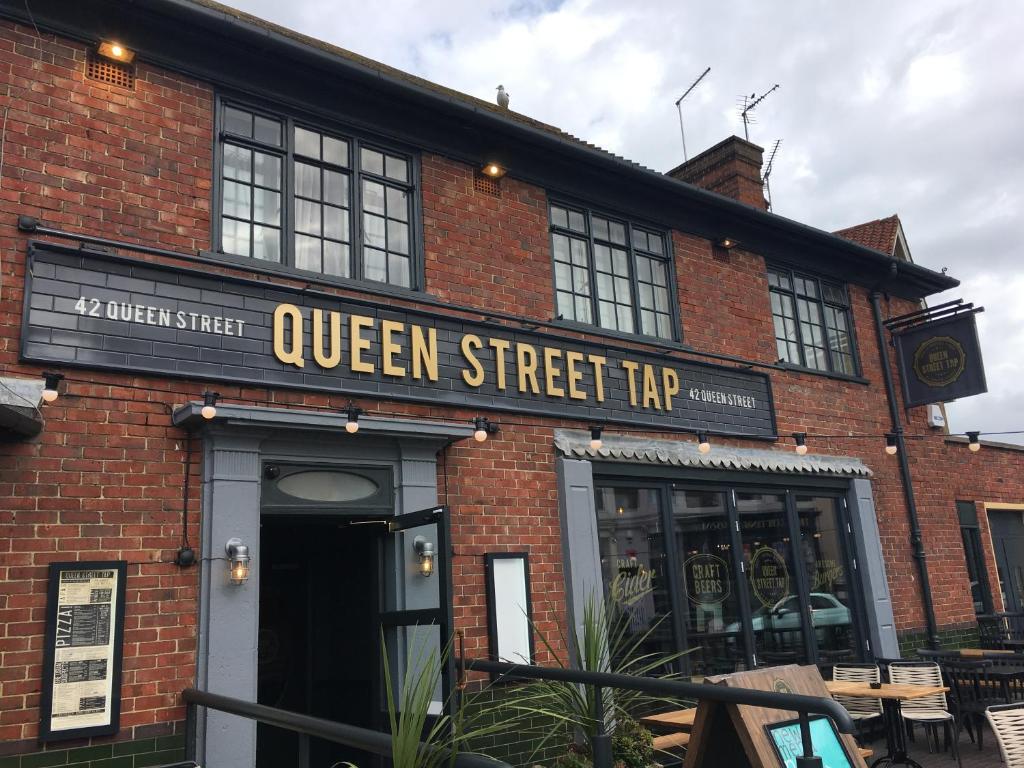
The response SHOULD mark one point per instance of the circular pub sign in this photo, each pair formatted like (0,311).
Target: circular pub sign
(707,579)
(769,576)
(939,361)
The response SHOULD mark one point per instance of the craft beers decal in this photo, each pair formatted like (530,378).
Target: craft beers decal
(104,311)
(707,579)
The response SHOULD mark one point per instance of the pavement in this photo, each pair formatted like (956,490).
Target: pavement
(970,756)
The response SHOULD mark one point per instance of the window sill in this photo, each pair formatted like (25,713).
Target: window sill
(318,278)
(789,367)
(596,330)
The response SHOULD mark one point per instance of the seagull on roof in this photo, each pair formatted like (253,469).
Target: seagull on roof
(502,97)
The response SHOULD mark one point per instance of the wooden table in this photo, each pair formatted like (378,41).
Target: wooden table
(680,718)
(891,696)
(979,652)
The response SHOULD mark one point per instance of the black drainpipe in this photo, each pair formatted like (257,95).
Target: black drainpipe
(908,487)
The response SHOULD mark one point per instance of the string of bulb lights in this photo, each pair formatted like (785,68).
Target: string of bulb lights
(484,427)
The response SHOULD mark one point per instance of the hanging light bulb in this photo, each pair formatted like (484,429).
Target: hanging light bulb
(352,411)
(891,446)
(703,444)
(209,409)
(973,442)
(595,438)
(482,428)
(51,382)
(801,443)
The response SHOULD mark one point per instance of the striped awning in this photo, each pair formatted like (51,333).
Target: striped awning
(683,453)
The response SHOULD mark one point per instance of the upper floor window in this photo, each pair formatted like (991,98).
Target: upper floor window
(315,200)
(611,273)
(813,326)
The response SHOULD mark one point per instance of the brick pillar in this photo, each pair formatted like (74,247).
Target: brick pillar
(731,168)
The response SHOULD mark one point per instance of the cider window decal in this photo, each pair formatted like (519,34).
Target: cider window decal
(769,576)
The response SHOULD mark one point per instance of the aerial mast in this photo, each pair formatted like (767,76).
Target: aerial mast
(679,103)
(749,107)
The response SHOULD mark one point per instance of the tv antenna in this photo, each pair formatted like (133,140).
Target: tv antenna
(679,106)
(749,103)
(768,172)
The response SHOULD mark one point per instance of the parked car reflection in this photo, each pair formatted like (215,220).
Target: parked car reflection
(784,616)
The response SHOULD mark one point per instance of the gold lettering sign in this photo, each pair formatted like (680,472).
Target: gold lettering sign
(939,361)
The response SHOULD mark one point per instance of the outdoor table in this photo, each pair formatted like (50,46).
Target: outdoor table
(891,696)
(680,718)
(979,652)
(1004,675)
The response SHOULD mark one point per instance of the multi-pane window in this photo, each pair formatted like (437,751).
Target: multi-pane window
(812,322)
(611,273)
(315,200)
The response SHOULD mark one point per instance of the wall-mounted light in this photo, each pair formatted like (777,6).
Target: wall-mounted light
(595,437)
(727,243)
(238,561)
(973,441)
(891,446)
(209,409)
(801,443)
(352,411)
(703,444)
(50,383)
(425,552)
(482,428)
(493,170)
(116,52)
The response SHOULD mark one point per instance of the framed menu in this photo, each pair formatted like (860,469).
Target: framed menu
(81,685)
(788,742)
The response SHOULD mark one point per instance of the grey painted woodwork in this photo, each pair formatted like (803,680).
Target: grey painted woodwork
(881,624)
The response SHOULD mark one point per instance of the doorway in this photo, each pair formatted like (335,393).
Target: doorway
(319,645)
(1008,540)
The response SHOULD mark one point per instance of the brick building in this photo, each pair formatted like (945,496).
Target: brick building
(223,206)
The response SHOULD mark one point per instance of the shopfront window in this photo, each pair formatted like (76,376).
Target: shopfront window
(757,578)
(632,548)
(711,611)
(828,586)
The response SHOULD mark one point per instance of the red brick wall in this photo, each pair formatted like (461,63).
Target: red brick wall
(104,478)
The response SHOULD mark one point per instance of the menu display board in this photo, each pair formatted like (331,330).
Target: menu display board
(788,743)
(81,686)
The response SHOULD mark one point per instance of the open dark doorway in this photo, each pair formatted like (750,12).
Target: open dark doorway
(319,647)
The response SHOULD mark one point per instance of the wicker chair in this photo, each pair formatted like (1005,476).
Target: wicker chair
(931,711)
(1007,721)
(861,710)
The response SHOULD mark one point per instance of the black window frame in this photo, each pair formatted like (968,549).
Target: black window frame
(974,554)
(594,300)
(357,139)
(823,306)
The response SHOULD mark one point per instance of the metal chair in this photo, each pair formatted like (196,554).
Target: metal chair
(930,711)
(1007,722)
(861,710)
(973,691)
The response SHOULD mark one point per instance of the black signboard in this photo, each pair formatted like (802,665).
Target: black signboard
(83,644)
(940,361)
(99,311)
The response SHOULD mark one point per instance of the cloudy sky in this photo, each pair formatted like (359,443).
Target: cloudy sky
(915,108)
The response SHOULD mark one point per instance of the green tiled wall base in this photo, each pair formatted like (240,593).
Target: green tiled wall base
(515,747)
(140,753)
(949,637)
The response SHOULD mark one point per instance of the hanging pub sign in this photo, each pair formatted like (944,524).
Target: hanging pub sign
(81,682)
(103,311)
(940,360)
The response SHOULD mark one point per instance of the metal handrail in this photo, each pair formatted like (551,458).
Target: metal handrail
(802,704)
(350,735)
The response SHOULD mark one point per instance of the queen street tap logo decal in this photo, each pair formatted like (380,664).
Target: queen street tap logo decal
(939,361)
(769,576)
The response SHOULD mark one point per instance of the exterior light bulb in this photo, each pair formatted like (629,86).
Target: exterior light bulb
(480,429)
(425,552)
(891,447)
(51,382)
(238,561)
(703,444)
(209,409)
(801,443)
(116,51)
(352,411)
(595,438)
(973,442)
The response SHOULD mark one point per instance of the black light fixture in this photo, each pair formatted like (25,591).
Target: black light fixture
(238,561)
(703,444)
(891,446)
(801,443)
(493,170)
(973,442)
(108,49)
(352,411)
(209,409)
(51,381)
(482,428)
(595,437)
(726,242)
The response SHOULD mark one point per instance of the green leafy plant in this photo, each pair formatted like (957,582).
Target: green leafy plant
(606,642)
(417,739)
(632,744)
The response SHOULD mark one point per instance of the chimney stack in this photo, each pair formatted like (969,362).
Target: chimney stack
(731,168)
